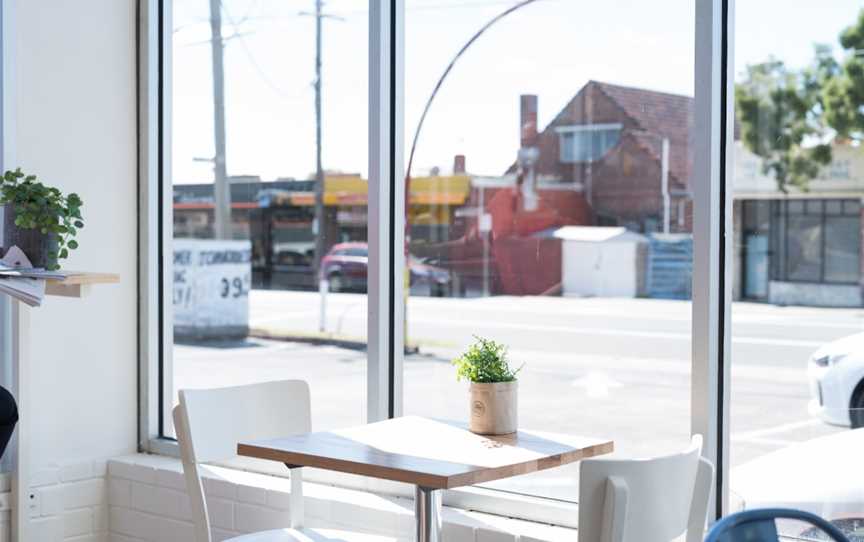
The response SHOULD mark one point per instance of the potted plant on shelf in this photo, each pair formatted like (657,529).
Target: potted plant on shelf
(39,219)
(493,391)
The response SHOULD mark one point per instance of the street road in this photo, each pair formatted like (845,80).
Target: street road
(617,368)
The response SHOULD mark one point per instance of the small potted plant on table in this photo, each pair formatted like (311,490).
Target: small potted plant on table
(493,391)
(39,219)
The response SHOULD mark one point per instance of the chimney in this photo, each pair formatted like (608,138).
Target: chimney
(459,164)
(528,120)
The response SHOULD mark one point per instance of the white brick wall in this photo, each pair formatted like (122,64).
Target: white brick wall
(5,506)
(147,503)
(70,504)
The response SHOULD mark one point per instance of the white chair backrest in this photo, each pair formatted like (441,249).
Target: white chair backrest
(210,423)
(645,500)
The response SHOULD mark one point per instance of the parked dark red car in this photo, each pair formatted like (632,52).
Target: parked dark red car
(346,268)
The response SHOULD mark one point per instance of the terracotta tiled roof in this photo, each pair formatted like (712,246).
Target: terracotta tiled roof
(656,115)
(660,115)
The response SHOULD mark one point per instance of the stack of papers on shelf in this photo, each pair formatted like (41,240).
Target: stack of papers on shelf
(28,290)
(19,279)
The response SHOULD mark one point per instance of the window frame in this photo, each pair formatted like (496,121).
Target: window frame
(574,129)
(713,148)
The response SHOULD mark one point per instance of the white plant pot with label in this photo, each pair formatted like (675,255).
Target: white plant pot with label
(494,408)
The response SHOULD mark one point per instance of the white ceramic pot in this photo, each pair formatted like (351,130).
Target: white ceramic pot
(494,408)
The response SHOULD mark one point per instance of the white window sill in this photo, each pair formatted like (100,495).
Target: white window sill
(497,503)
(256,495)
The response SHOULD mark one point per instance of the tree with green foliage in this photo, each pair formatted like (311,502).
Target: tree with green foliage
(843,94)
(781,114)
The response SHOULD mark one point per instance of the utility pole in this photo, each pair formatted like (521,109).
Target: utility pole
(221,190)
(320,227)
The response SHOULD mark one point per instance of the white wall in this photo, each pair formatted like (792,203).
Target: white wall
(814,294)
(74,81)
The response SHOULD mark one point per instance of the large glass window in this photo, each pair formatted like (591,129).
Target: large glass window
(549,206)
(268,172)
(551,124)
(817,240)
(797,395)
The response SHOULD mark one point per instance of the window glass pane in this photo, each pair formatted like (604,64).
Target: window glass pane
(814,207)
(776,250)
(247,306)
(834,207)
(756,228)
(587,143)
(537,210)
(568,147)
(795,207)
(797,407)
(804,248)
(757,215)
(842,250)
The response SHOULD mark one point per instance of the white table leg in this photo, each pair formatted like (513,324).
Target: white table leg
(427,514)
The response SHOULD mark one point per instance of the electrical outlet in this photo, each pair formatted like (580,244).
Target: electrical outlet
(34,504)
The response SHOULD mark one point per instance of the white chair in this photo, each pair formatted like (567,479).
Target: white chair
(645,500)
(210,423)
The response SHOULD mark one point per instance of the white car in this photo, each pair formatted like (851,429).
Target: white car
(836,375)
(822,476)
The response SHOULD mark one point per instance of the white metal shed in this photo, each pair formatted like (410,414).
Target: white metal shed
(601,261)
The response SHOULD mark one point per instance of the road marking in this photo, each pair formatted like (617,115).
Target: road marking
(612,332)
(621,333)
(778,342)
(597,384)
(747,319)
(562,365)
(764,436)
(759,314)
(780,322)
(774,442)
(791,426)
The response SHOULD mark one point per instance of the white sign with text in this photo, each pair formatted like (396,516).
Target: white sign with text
(212,279)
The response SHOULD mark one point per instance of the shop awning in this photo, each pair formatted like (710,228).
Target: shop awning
(346,191)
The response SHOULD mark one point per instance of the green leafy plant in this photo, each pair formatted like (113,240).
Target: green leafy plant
(485,361)
(43,208)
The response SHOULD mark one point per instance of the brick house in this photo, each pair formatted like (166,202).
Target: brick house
(613,156)
(607,144)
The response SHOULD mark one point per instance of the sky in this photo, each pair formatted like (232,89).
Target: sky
(550,48)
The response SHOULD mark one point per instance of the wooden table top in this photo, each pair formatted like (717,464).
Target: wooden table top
(429,453)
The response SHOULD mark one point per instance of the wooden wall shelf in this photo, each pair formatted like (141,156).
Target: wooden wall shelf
(78,282)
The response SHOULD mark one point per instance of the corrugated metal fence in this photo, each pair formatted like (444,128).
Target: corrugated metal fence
(670,266)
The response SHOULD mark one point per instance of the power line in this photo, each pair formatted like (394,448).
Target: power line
(511,9)
(248,52)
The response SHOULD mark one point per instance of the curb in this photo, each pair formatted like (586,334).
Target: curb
(320,339)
